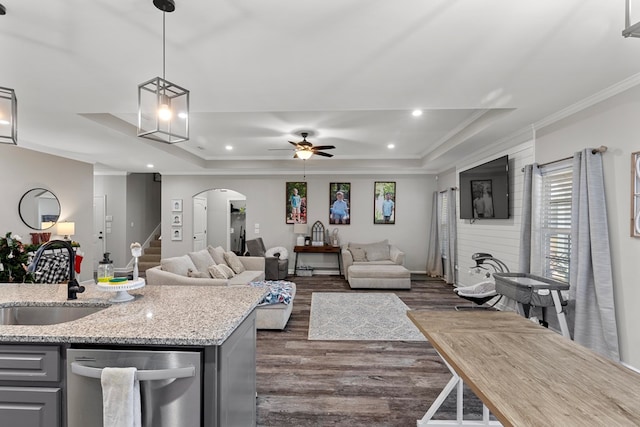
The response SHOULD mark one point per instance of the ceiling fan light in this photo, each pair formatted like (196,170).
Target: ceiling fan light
(304,154)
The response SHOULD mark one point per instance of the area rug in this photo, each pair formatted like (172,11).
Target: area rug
(343,316)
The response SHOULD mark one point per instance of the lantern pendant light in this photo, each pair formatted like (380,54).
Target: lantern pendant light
(163,107)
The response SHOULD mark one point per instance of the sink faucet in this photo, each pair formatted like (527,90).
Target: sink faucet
(73,287)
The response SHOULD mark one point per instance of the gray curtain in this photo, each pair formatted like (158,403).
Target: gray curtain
(434,257)
(525,227)
(450,261)
(592,314)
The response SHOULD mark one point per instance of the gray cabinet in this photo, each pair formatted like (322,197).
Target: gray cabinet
(30,406)
(230,379)
(30,392)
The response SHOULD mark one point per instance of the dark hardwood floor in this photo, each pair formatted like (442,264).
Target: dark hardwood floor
(352,383)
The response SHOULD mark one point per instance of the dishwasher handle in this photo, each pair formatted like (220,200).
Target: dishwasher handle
(142,375)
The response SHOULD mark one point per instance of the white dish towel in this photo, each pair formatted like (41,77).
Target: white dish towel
(120,398)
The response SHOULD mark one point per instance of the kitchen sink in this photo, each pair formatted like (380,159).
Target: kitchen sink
(44,315)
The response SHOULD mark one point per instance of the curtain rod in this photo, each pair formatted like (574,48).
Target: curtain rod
(601,149)
(452,188)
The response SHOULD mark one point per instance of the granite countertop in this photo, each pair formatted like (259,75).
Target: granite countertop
(159,315)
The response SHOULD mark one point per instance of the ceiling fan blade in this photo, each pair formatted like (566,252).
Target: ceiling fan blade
(324,147)
(320,153)
(295,156)
(293,143)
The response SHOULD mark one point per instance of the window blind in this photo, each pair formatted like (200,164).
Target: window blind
(556,223)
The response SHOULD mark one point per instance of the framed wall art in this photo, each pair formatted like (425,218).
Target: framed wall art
(296,203)
(635,194)
(384,202)
(176,233)
(176,219)
(176,205)
(339,205)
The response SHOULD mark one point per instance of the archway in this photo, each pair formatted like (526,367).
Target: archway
(219,219)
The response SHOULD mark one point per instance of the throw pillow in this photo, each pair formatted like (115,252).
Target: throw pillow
(378,251)
(358,254)
(277,252)
(226,270)
(178,265)
(201,259)
(217,254)
(199,274)
(216,272)
(234,262)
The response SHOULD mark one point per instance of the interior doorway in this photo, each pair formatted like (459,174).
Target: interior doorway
(99,226)
(199,223)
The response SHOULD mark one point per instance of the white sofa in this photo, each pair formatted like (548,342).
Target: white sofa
(193,270)
(375,265)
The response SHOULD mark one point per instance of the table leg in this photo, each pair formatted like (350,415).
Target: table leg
(295,267)
(455,382)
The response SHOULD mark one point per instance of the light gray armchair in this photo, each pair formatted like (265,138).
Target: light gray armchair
(274,268)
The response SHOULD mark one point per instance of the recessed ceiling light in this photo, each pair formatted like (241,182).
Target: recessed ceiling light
(416,113)
(229,147)
(390,146)
(149,165)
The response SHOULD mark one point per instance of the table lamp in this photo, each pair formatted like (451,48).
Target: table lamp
(66,229)
(300,230)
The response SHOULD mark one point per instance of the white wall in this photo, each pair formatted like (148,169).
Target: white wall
(266,206)
(614,123)
(71,181)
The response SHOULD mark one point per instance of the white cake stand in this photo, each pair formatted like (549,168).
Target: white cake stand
(121,289)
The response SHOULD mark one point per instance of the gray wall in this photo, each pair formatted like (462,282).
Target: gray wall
(266,207)
(71,181)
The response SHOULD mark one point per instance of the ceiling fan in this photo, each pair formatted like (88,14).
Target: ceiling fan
(304,149)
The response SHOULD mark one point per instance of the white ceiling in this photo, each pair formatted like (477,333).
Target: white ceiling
(348,71)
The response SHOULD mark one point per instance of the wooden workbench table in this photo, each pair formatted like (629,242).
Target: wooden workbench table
(528,375)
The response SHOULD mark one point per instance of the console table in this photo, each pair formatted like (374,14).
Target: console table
(326,249)
(527,375)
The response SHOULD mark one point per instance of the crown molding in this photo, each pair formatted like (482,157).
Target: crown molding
(589,101)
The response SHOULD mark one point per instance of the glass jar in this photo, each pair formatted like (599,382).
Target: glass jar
(105,269)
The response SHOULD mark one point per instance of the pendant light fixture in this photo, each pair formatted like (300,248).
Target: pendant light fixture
(8,116)
(163,107)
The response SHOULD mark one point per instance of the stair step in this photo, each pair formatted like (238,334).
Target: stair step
(144,266)
(155,243)
(152,250)
(150,258)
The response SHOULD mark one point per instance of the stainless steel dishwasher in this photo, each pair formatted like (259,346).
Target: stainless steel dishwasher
(170,390)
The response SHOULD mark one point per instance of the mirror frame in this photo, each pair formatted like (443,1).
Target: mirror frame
(21,208)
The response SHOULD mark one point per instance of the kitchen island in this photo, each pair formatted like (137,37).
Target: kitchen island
(217,323)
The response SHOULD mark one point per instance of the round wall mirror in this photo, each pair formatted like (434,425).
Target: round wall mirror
(39,209)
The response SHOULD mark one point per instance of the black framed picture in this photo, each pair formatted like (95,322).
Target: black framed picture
(296,203)
(339,203)
(384,202)
(482,199)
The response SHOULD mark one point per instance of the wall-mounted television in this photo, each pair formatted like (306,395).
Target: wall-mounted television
(484,190)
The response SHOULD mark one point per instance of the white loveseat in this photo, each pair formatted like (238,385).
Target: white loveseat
(194,269)
(182,270)
(375,265)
